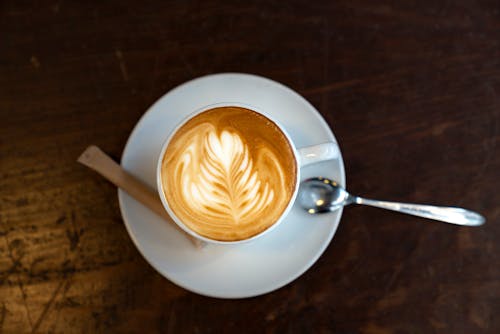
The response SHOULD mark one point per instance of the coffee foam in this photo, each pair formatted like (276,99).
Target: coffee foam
(229,173)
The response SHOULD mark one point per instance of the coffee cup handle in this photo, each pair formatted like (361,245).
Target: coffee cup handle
(316,153)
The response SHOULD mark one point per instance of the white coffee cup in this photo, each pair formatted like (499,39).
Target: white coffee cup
(303,156)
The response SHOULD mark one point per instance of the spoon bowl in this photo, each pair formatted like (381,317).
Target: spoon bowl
(320,195)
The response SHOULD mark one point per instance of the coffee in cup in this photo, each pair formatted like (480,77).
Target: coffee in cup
(229,173)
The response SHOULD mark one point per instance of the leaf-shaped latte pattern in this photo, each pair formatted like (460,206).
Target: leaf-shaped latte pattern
(223,183)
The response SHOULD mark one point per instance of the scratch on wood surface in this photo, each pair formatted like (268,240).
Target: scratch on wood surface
(121,63)
(395,298)
(61,219)
(437,324)
(45,311)
(55,8)
(326,88)
(25,301)
(481,317)
(373,328)
(271,316)
(58,312)
(439,128)
(16,262)
(400,266)
(74,238)
(74,233)
(35,62)
(171,320)
(68,271)
(393,75)
(394,276)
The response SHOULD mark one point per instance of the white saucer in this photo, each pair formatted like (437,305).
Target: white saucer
(237,271)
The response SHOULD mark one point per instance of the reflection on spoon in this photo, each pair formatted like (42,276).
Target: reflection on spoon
(320,195)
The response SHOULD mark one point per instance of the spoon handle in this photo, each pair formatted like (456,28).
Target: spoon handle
(451,215)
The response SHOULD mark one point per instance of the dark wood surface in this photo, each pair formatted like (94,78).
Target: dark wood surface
(411,89)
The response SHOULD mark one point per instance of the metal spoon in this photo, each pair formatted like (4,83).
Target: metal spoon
(320,195)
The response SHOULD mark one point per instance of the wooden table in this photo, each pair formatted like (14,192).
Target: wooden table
(411,89)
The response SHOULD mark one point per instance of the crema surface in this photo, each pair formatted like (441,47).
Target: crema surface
(228,173)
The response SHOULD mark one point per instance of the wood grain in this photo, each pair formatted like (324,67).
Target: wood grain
(410,88)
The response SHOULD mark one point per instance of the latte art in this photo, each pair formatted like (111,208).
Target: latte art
(226,175)
(226,185)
